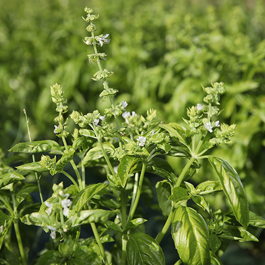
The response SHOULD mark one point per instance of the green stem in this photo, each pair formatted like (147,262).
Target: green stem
(124,252)
(71,178)
(133,209)
(19,241)
(101,249)
(123,221)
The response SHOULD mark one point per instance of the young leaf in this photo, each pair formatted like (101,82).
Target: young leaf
(87,133)
(24,192)
(135,223)
(10,177)
(143,250)
(215,260)
(191,236)
(36,147)
(34,166)
(179,194)
(85,195)
(232,188)
(96,153)
(163,191)
(208,187)
(50,257)
(256,220)
(126,166)
(92,216)
(65,159)
(175,130)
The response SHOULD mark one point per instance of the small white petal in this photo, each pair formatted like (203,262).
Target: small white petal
(48,204)
(199,106)
(134,114)
(141,140)
(53,234)
(217,124)
(66,203)
(48,211)
(66,211)
(96,121)
(51,228)
(126,114)
(208,126)
(124,104)
(102,118)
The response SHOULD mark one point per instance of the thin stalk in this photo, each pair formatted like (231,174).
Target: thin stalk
(17,232)
(169,219)
(123,221)
(33,157)
(83,175)
(135,187)
(138,193)
(101,249)
(71,178)
(124,252)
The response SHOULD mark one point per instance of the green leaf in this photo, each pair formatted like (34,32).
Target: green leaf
(65,159)
(200,201)
(163,191)
(36,147)
(9,178)
(24,192)
(34,166)
(246,236)
(179,194)
(92,216)
(50,257)
(87,133)
(38,219)
(143,250)
(126,166)
(113,226)
(191,236)
(6,223)
(215,243)
(232,188)
(135,223)
(85,195)
(96,153)
(256,220)
(208,187)
(175,130)
(215,260)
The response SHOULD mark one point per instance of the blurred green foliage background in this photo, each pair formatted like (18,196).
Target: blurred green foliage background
(161,51)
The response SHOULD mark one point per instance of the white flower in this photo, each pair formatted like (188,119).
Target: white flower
(141,140)
(125,115)
(53,233)
(199,106)
(103,40)
(88,42)
(217,124)
(66,203)
(56,129)
(209,127)
(124,104)
(134,114)
(102,118)
(66,211)
(96,121)
(152,132)
(49,205)
(1,229)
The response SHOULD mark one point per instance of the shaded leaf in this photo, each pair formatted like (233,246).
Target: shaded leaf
(143,250)
(36,147)
(163,191)
(191,236)
(232,188)
(256,220)
(24,192)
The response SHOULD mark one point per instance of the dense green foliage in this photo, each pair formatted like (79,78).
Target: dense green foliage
(161,54)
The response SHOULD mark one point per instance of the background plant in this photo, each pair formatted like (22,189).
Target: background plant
(248,110)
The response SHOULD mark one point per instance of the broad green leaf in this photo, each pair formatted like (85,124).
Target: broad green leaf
(208,187)
(126,166)
(87,133)
(34,166)
(113,226)
(85,195)
(232,188)
(246,236)
(3,218)
(50,257)
(96,153)
(200,201)
(24,192)
(92,216)
(256,220)
(191,236)
(163,191)
(64,160)
(9,178)
(36,147)
(179,194)
(175,130)
(215,243)
(238,233)
(143,250)
(5,225)
(38,219)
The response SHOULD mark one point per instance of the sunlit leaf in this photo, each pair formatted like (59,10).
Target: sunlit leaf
(9,178)
(175,130)
(232,188)
(64,160)
(34,166)
(208,187)
(36,147)
(85,195)
(191,236)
